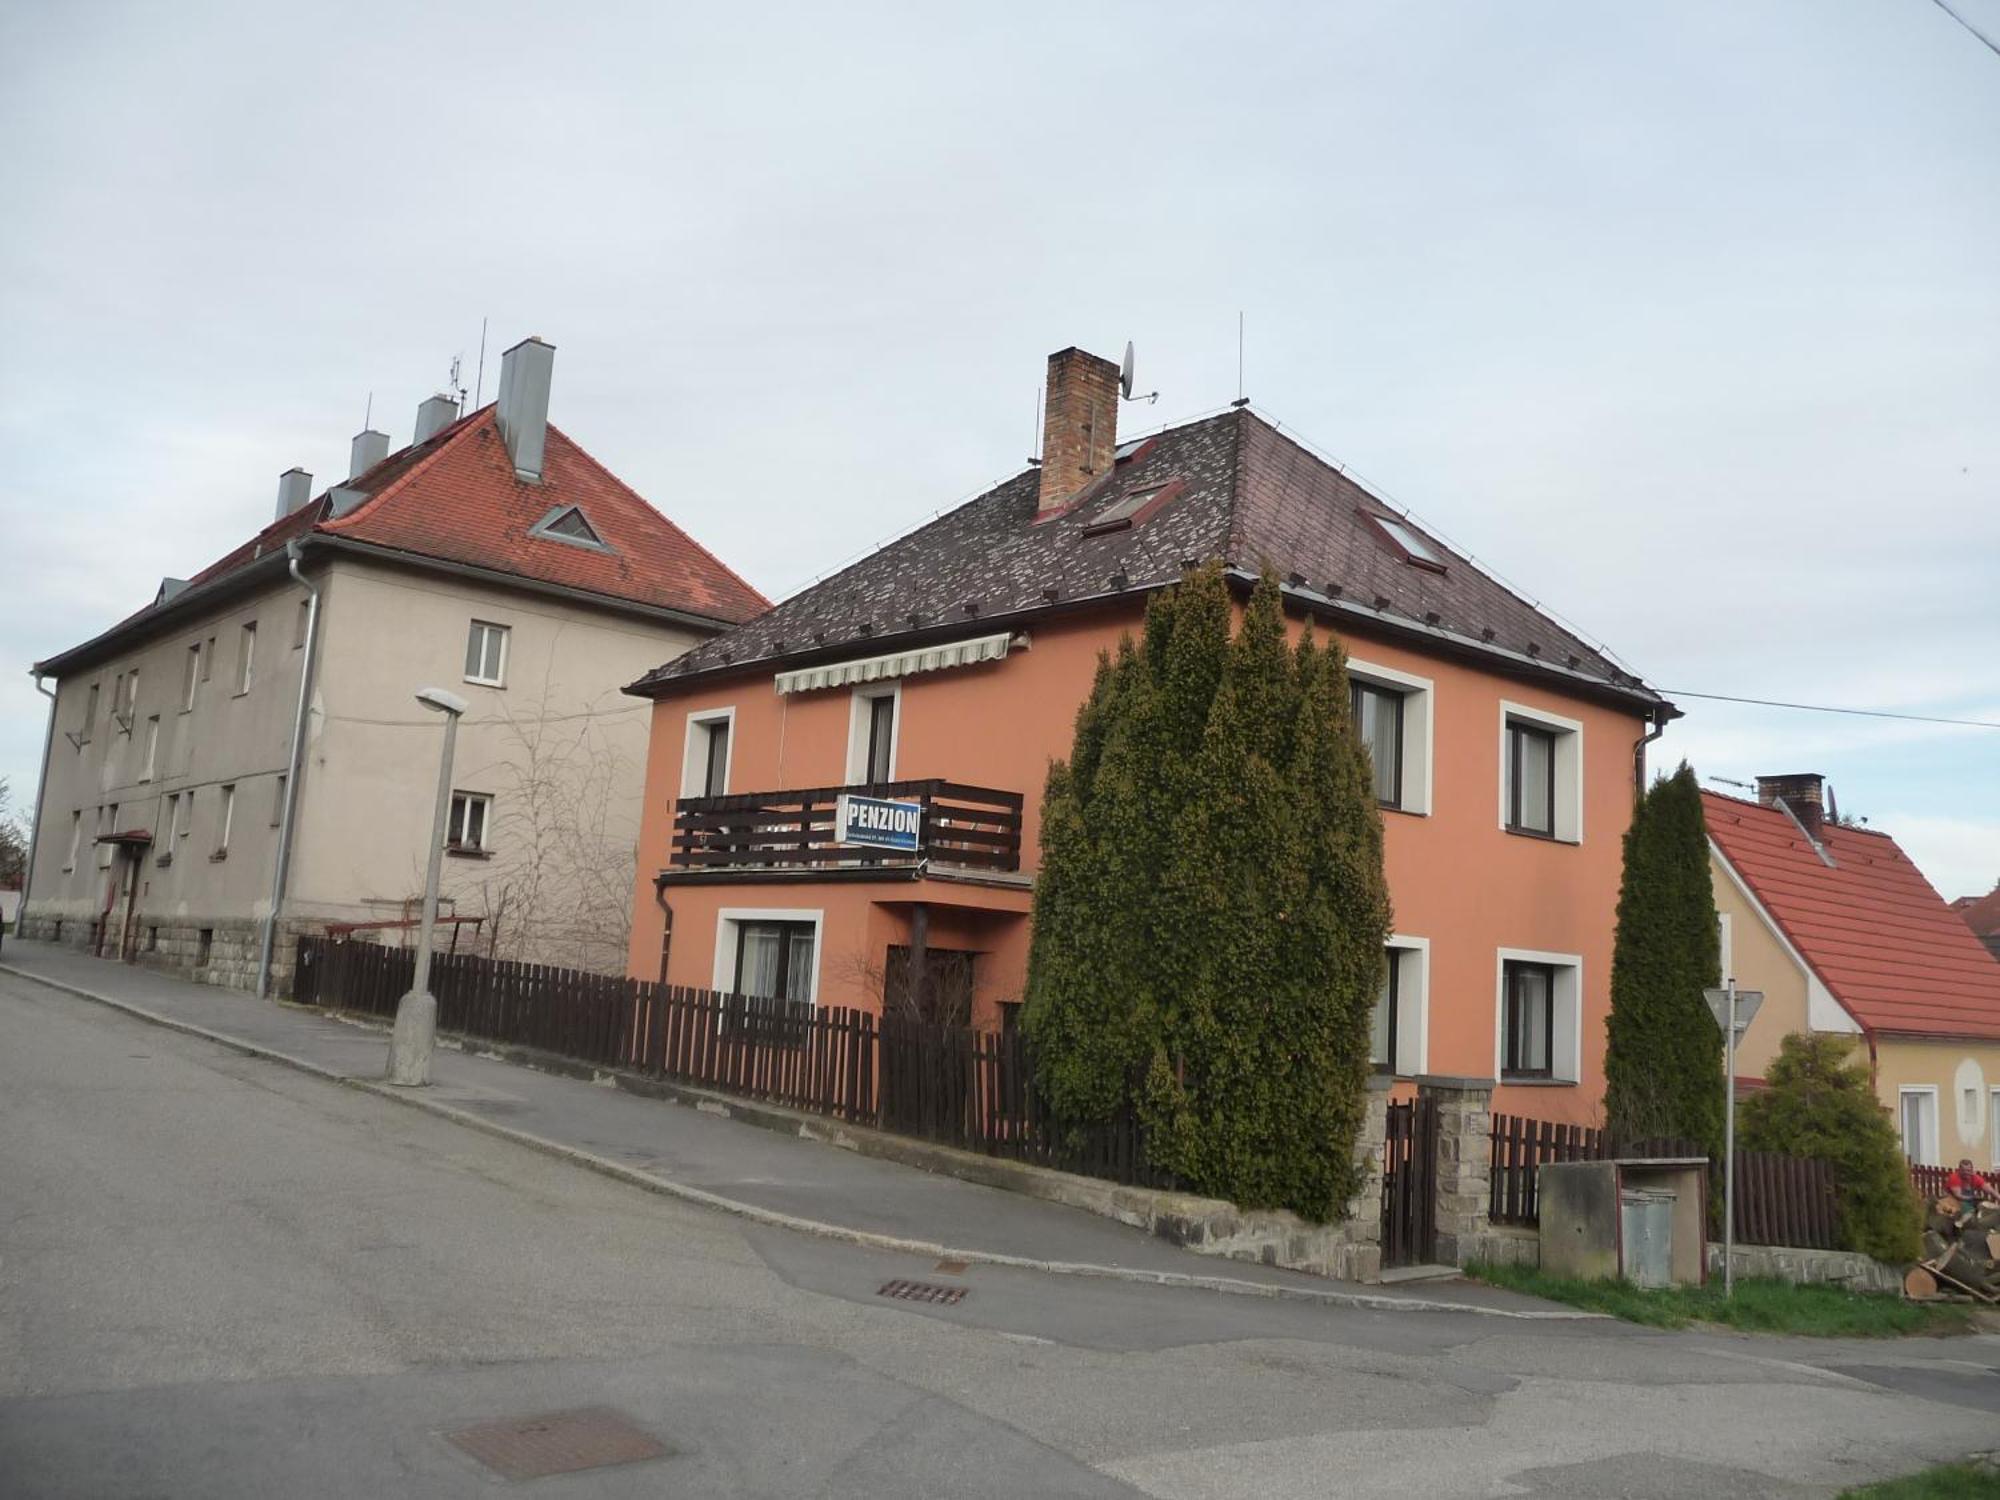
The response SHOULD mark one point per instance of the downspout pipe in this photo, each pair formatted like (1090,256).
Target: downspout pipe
(1659,728)
(281,871)
(41,795)
(667,927)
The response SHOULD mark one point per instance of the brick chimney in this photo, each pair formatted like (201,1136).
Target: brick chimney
(1803,793)
(1079,426)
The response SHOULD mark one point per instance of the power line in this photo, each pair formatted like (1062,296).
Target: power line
(1991,45)
(1823,708)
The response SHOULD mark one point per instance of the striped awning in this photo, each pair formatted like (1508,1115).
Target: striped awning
(897,664)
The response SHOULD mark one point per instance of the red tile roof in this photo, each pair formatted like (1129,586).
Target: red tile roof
(1980,913)
(1871,927)
(456,497)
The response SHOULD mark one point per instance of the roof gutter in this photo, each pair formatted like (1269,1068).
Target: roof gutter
(281,868)
(41,794)
(655,685)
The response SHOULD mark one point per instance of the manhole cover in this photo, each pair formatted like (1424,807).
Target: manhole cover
(922,1291)
(558,1442)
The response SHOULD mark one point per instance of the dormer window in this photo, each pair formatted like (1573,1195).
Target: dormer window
(567,523)
(1417,550)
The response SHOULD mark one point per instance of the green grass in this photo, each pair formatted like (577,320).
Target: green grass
(1757,1307)
(1950,1482)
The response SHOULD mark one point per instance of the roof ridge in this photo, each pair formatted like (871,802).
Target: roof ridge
(598,464)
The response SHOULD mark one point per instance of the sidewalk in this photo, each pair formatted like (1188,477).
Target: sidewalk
(803,1185)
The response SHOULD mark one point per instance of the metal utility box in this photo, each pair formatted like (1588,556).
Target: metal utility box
(1643,1219)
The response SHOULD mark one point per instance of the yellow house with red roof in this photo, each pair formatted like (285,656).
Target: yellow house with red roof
(1843,934)
(243,759)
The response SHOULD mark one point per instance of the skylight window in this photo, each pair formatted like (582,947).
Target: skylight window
(1416,549)
(567,523)
(1129,510)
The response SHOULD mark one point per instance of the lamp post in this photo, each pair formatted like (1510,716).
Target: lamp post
(415,1036)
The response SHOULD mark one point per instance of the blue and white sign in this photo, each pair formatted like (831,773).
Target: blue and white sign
(878,823)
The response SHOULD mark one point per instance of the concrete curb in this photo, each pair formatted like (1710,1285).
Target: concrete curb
(864,1238)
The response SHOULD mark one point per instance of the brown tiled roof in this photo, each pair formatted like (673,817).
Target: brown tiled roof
(1251,497)
(1871,927)
(456,498)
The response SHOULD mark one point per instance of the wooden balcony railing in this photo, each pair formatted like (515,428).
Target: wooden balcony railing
(973,826)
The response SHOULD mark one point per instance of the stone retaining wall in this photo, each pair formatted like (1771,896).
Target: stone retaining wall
(208,950)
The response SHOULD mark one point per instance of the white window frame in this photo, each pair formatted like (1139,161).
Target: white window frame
(152,746)
(694,749)
(1412,957)
(228,816)
(485,844)
(506,650)
(1928,1093)
(1419,698)
(730,918)
(859,709)
(193,680)
(1566,813)
(183,814)
(246,656)
(1565,1021)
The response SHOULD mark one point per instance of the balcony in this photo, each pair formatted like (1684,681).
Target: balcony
(973,828)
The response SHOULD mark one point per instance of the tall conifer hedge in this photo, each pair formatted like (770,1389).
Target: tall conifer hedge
(1663,1057)
(1210,914)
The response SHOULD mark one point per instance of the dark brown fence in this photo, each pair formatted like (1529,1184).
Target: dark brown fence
(1780,1200)
(960,1087)
(1409,1183)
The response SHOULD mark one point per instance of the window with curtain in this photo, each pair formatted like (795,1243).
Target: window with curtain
(1531,779)
(1530,1021)
(1378,720)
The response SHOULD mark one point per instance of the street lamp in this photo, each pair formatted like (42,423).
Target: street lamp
(415,1036)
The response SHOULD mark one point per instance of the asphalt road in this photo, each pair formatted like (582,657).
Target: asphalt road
(219,1277)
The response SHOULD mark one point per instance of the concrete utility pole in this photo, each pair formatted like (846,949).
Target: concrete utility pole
(415,1036)
(1733,1010)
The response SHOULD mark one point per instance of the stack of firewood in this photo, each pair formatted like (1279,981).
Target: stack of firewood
(1961,1253)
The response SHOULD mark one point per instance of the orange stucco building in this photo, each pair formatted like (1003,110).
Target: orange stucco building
(946,669)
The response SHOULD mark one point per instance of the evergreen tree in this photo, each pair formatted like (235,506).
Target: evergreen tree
(1210,913)
(1663,1054)
(1819,1103)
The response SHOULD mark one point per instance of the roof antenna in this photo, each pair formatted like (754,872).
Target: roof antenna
(1125,379)
(1241,399)
(479,381)
(368,417)
(1035,455)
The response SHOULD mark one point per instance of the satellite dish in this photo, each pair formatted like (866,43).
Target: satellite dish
(1125,372)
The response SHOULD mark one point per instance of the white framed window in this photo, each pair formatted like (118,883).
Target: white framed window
(183,816)
(89,714)
(1541,774)
(75,839)
(227,821)
(486,654)
(1538,1017)
(769,951)
(208,659)
(471,825)
(125,700)
(246,656)
(875,720)
(152,747)
(711,738)
(1917,1122)
(191,677)
(1399,1032)
(1392,716)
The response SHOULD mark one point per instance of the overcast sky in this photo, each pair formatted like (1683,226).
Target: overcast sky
(1684,317)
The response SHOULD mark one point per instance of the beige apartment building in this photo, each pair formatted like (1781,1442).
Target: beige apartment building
(244,759)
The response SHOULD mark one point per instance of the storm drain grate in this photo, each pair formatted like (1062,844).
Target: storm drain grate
(558,1442)
(922,1291)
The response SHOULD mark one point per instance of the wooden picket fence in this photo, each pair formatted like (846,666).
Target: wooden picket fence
(953,1085)
(1780,1200)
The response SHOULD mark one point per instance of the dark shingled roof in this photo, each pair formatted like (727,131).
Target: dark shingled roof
(1238,490)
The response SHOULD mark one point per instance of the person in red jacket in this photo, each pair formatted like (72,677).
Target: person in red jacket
(1968,1187)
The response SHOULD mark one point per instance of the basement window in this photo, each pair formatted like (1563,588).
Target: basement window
(1417,550)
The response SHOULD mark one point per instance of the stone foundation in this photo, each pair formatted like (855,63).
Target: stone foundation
(208,950)
(1848,1268)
